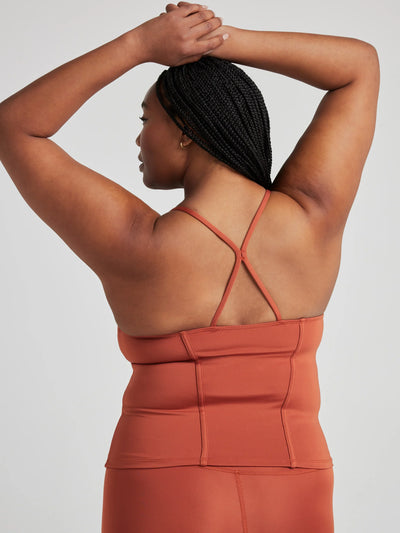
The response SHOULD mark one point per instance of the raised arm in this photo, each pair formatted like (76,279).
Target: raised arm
(323,172)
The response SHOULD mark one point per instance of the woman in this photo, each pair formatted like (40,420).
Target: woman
(219,302)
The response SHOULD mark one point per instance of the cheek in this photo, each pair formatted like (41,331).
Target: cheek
(145,142)
(157,146)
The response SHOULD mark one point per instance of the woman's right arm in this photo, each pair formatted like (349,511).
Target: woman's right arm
(323,172)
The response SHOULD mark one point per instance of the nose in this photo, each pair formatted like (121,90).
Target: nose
(137,140)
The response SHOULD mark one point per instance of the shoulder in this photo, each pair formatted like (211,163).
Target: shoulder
(305,215)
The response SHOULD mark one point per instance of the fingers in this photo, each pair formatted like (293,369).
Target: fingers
(190,4)
(171,7)
(211,44)
(203,22)
(188,8)
(200,20)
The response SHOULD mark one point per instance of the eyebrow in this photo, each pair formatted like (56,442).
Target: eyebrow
(143,104)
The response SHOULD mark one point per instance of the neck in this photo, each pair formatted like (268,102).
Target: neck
(204,183)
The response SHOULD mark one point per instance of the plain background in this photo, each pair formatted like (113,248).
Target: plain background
(62,375)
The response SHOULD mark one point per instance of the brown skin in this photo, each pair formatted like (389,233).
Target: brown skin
(165,273)
(296,247)
(107,226)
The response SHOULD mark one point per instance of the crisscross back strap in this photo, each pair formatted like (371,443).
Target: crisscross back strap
(241,255)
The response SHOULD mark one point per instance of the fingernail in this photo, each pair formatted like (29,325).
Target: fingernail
(205,7)
(225,36)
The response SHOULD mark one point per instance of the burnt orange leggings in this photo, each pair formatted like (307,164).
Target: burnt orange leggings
(208,499)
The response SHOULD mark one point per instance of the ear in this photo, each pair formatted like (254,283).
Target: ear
(186,141)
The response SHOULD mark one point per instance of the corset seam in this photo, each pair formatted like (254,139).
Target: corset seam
(200,398)
(241,502)
(289,444)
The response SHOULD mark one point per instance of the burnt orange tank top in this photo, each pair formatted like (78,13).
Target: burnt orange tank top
(244,395)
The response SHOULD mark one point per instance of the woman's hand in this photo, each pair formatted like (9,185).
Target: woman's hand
(173,38)
(224,51)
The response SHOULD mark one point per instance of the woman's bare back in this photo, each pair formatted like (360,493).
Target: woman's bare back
(184,281)
(296,245)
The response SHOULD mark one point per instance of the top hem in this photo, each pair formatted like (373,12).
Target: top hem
(226,327)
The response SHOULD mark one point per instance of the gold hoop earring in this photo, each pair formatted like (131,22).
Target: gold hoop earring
(180,144)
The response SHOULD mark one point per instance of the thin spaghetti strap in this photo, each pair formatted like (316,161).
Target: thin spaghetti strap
(241,255)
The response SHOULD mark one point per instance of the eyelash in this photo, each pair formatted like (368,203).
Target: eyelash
(143,119)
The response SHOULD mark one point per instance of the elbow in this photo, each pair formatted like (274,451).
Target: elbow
(368,62)
(371,53)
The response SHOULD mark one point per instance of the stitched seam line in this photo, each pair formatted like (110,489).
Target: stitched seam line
(200,399)
(241,502)
(290,471)
(292,458)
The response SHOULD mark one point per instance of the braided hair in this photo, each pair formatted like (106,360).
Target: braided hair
(217,105)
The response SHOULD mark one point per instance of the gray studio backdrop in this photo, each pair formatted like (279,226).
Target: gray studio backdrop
(62,375)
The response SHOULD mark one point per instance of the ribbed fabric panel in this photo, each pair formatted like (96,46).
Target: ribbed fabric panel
(244,395)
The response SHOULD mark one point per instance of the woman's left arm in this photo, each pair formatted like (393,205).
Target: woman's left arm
(107,226)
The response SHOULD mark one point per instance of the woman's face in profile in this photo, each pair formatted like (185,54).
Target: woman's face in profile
(163,159)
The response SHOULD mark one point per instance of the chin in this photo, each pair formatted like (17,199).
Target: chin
(162,186)
(152,185)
